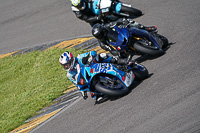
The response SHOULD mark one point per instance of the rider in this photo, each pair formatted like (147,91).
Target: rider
(105,33)
(71,63)
(82,11)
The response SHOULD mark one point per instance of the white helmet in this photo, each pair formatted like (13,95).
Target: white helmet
(67,60)
(79,4)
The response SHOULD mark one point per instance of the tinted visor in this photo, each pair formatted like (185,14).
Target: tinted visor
(80,6)
(66,65)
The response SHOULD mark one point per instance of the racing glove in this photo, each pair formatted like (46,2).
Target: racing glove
(88,59)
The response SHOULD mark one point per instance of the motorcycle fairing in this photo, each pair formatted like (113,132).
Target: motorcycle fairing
(123,36)
(143,33)
(126,77)
(112,35)
(89,72)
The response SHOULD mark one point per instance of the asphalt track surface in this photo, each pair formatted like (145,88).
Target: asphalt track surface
(166,102)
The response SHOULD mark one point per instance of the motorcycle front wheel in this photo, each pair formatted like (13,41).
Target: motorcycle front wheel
(164,40)
(131,10)
(140,72)
(110,85)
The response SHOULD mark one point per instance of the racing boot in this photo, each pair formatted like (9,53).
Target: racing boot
(140,26)
(84,94)
(151,28)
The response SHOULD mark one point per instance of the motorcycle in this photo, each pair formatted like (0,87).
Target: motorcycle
(128,40)
(113,9)
(110,79)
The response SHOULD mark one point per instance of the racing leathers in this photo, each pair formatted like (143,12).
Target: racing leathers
(86,14)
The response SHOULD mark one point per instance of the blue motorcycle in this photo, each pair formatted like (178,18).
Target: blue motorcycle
(111,10)
(129,40)
(109,79)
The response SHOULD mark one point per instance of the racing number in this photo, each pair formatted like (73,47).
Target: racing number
(105,67)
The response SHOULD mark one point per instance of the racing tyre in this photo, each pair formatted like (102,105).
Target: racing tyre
(140,72)
(110,85)
(144,48)
(164,40)
(131,10)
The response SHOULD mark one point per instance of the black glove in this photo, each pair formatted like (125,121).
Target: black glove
(112,24)
(88,59)
(125,22)
(122,21)
(130,20)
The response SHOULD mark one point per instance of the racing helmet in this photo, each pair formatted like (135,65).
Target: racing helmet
(67,60)
(98,31)
(80,4)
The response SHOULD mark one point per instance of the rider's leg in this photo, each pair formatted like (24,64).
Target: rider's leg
(104,58)
(140,26)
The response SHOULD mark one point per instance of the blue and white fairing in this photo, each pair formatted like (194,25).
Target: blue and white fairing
(94,69)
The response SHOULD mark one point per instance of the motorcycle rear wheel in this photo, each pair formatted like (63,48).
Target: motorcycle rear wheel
(147,49)
(110,89)
(131,10)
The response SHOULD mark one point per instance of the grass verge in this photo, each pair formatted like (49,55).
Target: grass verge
(28,83)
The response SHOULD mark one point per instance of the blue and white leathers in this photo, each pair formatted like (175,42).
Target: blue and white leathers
(74,75)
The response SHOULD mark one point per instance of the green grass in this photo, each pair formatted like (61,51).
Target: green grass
(28,83)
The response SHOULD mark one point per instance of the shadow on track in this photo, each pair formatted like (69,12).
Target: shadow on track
(146,57)
(131,88)
(140,59)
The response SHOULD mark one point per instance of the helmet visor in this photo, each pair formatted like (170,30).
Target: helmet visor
(66,65)
(69,65)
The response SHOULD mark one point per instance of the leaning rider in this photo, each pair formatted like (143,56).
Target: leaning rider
(105,33)
(70,64)
(84,12)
